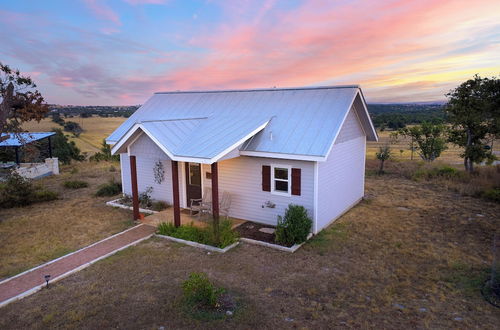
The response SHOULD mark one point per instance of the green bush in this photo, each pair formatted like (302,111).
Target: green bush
(294,227)
(19,191)
(75,184)
(111,188)
(199,292)
(200,235)
(64,149)
(437,172)
(159,205)
(492,194)
(45,195)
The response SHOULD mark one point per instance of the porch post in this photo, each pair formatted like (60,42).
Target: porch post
(215,198)
(175,184)
(50,148)
(135,192)
(17,155)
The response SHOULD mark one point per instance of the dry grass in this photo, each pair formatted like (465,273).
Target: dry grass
(41,232)
(95,129)
(450,155)
(476,184)
(412,255)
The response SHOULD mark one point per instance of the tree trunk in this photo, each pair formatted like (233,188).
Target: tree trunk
(6,107)
(381,169)
(468,167)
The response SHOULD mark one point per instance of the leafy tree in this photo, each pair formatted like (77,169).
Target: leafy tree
(430,139)
(64,149)
(56,118)
(20,100)
(105,153)
(473,109)
(73,127)
(383,154)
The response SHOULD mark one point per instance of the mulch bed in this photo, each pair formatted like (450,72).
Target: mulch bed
(251,230)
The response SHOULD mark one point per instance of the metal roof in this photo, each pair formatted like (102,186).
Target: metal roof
(302,121)
(21,139)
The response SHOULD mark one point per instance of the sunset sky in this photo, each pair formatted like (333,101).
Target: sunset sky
(118,52)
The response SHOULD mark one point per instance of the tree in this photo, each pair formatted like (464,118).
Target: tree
(383,154)
(473,110)
(105,154)
(64,149)
(21,101)
(73,127)
(429,138)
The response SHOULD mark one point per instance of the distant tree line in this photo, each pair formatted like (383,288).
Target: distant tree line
(89,111)
(397,116)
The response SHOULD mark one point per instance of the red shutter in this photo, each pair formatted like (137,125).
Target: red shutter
(266,178)
(296,181)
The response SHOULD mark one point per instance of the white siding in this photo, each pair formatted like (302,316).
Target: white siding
(242,177)
(147,154)
(351,128)
(340,180)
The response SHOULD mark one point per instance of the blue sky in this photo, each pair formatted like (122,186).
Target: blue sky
(119,52)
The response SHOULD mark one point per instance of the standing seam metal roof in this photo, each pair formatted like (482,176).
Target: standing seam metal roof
(303,121)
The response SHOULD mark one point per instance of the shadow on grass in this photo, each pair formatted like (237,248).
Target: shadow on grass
(465,278)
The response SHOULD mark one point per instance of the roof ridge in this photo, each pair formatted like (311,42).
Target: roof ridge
(174,119)
(260,89)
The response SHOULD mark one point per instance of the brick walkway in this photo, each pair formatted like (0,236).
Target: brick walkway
(33,280)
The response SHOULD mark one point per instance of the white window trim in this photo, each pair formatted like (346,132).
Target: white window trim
(278,192)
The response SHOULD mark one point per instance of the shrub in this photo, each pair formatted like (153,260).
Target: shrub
(75,184)
(145,199)
(111,188)
(104,154)
(199,292)
(294,227)
(45,195)
(227,236)
(19,191)
(112,168)
(159,205)
(64,149)
(444,171)
(492,194)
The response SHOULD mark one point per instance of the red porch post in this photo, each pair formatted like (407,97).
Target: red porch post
(215,199)
(135,192)
(175,184)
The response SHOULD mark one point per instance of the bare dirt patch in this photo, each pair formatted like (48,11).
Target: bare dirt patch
(411,255)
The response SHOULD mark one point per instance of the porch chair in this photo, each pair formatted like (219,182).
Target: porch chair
(225,204)
(203,204)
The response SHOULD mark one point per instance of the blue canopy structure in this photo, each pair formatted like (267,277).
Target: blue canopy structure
(17,140)
(21,139)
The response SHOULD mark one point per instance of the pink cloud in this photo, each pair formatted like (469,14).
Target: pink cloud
(146,2)
(103,11)
(316,43)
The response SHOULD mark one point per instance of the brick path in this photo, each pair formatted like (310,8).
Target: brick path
(31,281)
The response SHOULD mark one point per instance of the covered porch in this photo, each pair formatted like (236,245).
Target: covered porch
(188,166)
(186,219)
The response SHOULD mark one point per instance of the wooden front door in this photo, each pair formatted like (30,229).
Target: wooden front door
(193,181)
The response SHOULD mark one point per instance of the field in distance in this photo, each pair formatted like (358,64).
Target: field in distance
(95,129)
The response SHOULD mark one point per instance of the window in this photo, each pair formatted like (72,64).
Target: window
(195,174)
(281,180)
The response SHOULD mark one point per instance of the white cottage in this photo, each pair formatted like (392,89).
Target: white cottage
(266,147)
